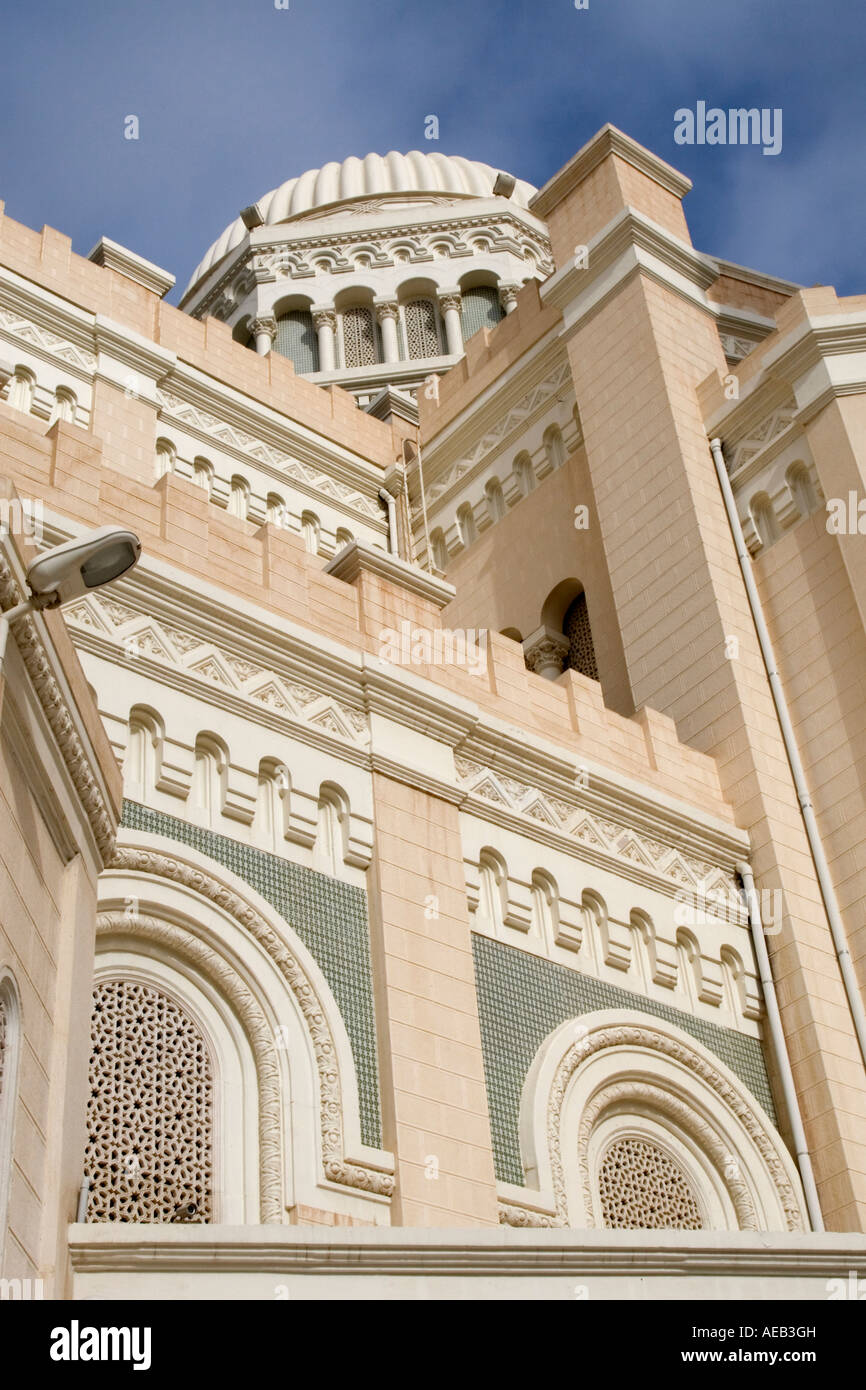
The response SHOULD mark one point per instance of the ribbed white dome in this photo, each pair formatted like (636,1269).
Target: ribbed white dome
(370,177)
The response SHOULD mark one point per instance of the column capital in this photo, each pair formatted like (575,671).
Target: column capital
(449,299)
(386,309)
(508,295)
(545,652)
(324,316)
(264,324)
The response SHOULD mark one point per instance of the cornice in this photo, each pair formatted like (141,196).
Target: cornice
(609,141)
(57,706)
(357,559)
(628,244)
(273,239)
(115,257)
(493,1252)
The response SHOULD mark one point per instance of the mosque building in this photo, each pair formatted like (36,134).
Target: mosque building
(438,867)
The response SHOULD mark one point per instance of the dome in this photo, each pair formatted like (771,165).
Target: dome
(371,177)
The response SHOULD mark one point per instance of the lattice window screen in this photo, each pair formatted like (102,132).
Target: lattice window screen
(421,331)
(150,1112)
(296,339)
(581,652)
(643,1189)
(359,338)
(480,309)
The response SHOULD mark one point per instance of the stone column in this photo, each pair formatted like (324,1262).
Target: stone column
(264,330)
(545,652)
(449,304)
(386,313)
(508,296)
(325,324)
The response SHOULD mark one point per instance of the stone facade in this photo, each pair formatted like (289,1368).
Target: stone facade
(445,738)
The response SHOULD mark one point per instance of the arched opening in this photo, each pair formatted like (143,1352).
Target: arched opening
(524,472)
(764,518)
(421,328)
(149,1154)
(141,764)
(495,499)
(492,881)
(297,339)
(801,488)
(565,610)
(239,498)
(466,523)
(331,823)
(554,446)
(311,531)
(202,475)
(166,457)
(65,406)
(209,777)
(439,549)
(480,308)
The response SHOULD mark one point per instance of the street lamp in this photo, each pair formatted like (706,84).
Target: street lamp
(72,569)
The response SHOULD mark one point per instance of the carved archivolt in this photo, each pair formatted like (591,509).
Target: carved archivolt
(636,1038)
(336,1169)
(662,1102)
(54,706)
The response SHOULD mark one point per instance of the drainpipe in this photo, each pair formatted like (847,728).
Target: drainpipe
(825,882)
(390,503)
(780,1051)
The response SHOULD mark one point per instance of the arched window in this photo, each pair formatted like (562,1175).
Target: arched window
(642,1186)
(343,538)
(581,652)
(480,309)
(360,348)
(801,489)
(150,1113)
(764,518)
(554,446)
(495,499)
(524,473)
(296,339)
(273,787)
(466,522)
(209,777)
(492,882)
(310,530)
(331,819)
(9,1034)
(422,330)
(440,550)
(202,475)
(239,497)
(165,458)
(545,906)
(276,509)
(21,390)
(64,407)
(143,752)
(688,967)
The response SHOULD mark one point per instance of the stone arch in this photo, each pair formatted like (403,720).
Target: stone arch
(622,1062)
(141,871)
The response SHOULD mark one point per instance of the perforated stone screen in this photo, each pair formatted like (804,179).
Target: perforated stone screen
(359,338)
(581,652)
(641,1188)
(150,1111)
(421,335)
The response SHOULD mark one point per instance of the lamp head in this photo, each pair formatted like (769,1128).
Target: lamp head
(85,563)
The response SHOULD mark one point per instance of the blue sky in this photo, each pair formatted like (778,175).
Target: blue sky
(235,96)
